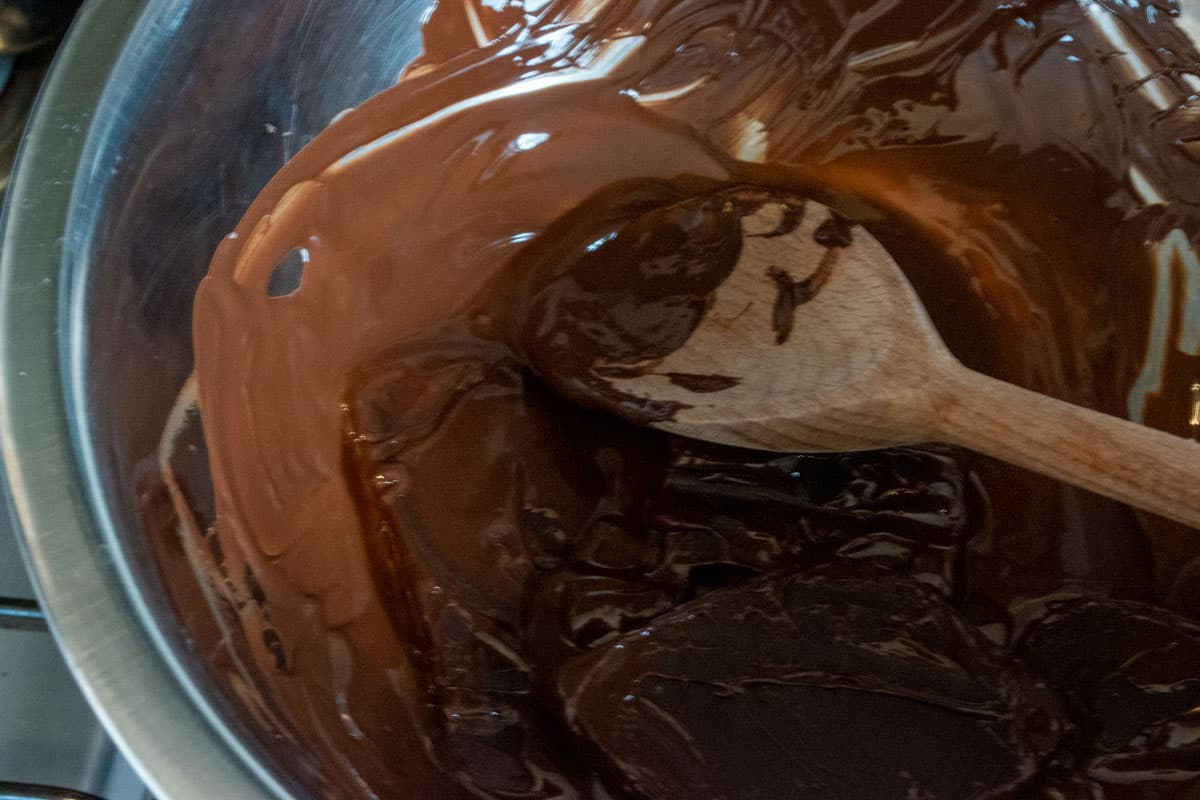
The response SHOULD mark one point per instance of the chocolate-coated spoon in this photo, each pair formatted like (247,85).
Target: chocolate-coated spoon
(819,343)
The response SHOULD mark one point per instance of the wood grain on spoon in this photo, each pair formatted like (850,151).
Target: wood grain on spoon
(817,342)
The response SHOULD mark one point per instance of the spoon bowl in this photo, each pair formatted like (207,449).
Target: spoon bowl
(814,333)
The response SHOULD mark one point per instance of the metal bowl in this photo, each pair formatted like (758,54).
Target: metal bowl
(159,123)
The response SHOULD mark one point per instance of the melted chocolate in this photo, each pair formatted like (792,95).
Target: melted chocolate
(451,578)
(703,384)
(774,689)
(794,293)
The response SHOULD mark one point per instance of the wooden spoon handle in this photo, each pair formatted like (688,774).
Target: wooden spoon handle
(1140,466)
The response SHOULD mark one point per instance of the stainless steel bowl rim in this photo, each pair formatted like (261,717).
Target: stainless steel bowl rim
(159,719)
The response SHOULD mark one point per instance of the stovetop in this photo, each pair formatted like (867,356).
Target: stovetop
(48,734)
(51,744)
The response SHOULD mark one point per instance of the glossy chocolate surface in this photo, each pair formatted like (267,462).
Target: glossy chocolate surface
(465,582)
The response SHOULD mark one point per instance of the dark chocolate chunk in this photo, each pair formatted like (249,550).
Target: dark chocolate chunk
(906,509)
(478,727)
(1125,665)
(703,384)
(1131,674)
(810,687)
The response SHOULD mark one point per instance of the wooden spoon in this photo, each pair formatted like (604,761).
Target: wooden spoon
(811,346)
